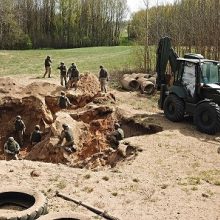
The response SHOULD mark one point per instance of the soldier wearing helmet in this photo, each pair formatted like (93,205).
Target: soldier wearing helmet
(64,101)
(11,149)
(116,136)
(36,135)
(63,74)
(47,64)
(103,78)
(67,134)
(19,129)
(73,74)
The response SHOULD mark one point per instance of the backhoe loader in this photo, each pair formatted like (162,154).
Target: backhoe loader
(195,90)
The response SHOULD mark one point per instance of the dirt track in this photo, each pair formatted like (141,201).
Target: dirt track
(176,176)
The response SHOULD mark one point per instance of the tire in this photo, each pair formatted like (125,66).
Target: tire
(33,204)
(207,117)
(64,216)
(174,108)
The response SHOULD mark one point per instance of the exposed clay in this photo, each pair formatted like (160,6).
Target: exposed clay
(91,118)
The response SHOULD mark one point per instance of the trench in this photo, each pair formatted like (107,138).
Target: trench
(92,123)
(91,119)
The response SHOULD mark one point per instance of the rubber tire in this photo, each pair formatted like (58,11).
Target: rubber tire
(175,114)
(65,215)
(35,203)
(213,111)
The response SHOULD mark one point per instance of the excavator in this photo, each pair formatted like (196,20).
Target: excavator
(195,90)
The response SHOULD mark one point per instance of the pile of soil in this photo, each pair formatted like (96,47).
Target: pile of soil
(37,104)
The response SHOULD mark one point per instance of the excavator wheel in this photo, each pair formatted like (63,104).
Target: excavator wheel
(207,117)
(174,108)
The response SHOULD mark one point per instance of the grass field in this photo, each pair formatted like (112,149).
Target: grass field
(87,59)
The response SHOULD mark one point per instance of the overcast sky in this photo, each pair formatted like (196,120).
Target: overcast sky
(135,5)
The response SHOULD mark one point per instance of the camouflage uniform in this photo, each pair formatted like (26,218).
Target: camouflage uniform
(63,74)
(11,149)
(63,101)
(36,135)
(19,130)
(67,134)
(103,78)
(47,63)
(73,77)
(116,136)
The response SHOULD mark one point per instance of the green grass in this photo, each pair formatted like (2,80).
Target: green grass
(31,62)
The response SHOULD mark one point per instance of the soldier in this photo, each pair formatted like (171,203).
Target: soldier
(67,134)
(47,66)
(73,76)
(11,149)
(103,78)
(63,73)
(36,135)
(63,101)
(115,136)
(19,129)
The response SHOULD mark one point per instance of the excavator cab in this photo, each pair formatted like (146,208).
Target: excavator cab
(195,90)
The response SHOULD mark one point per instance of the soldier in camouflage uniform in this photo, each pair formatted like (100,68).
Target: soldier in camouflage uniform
(63,74)
(103,78)
(20,129)
(47,63)
(73,76)
(63,101)
(67,134)
(116,136)
(36,135)
(11,149)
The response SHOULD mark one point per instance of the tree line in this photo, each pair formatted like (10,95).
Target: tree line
(60,23)
(193,25)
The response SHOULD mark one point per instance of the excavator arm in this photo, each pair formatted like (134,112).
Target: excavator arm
(165,53)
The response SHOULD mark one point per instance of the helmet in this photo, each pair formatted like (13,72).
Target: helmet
(18,117)
(101,67)
(117,125)
(62,93)
(11,139)
(73,64)
(62,63)
(37,127)
(65,125)
(48,57)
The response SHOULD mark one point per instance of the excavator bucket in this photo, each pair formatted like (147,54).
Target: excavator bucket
(163,53)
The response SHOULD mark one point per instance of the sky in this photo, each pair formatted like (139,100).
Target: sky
(135,5)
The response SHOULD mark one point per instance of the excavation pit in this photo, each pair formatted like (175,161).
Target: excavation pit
(91,120)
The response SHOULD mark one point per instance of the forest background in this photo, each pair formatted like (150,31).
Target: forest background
(193,25)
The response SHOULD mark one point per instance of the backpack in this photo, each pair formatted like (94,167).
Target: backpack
(62,102)
(19,126)
(103,73)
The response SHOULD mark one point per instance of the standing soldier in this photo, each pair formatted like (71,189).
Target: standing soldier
(73,76)
(63,75)
(63,101)
(36,135)
(67,134)
(103,78)
(20,129)
(11,149)
(47,67)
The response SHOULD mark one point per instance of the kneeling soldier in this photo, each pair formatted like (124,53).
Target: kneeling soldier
(36,135)
(67,134)
(11,149)
(116,136)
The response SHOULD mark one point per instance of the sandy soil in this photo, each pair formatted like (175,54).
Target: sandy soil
(176,176)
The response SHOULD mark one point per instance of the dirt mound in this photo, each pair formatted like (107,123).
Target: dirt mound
(91,120)
(9,85)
